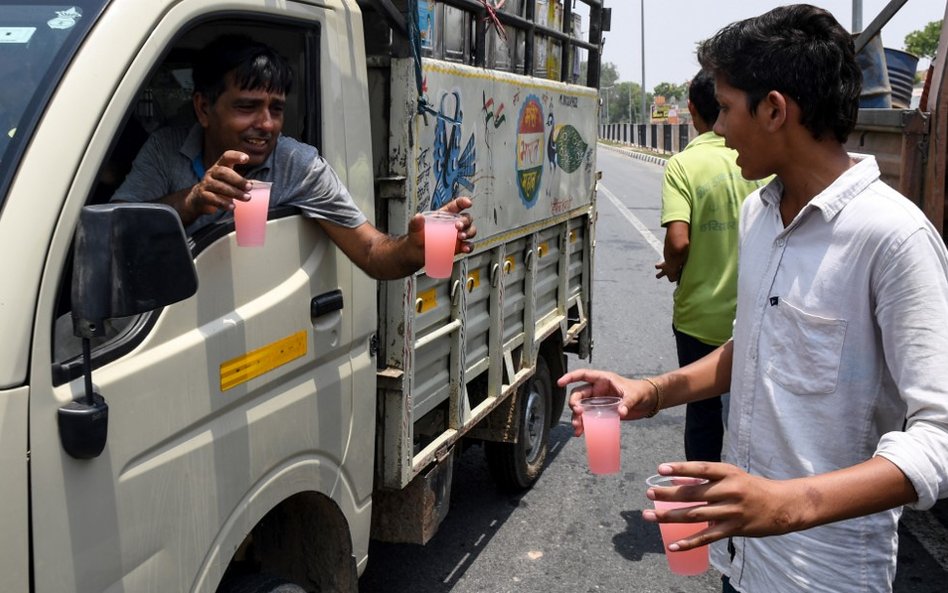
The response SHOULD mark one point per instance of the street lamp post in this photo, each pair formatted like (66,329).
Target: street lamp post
(605,90)
(631,121)
(643,60)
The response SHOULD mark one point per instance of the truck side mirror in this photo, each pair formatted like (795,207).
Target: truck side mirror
(128,259)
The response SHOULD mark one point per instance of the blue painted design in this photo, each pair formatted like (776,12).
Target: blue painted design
(453,167)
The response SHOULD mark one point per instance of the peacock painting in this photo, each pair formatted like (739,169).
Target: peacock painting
(565,147)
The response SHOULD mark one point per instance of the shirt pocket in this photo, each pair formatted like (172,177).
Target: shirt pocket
(806,350)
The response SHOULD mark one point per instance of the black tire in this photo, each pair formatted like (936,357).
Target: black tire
(516,466)
(259,583)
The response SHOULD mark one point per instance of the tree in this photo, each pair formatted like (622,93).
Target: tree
(669,90)
(608,74)
(924,42)
(621,95)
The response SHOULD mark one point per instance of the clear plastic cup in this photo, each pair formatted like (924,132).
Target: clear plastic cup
(601,428)
(688,562)
(441,236)
(250,218)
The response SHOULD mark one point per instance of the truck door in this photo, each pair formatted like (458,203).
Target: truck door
(220,405)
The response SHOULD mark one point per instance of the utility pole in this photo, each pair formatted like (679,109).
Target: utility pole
(631,121)
(643,60)
(857,16)
(606,91)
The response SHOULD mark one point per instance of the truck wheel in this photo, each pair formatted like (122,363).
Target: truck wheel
(259,583)
(516,466)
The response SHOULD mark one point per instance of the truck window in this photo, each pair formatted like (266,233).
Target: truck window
(166,100)
(36,43)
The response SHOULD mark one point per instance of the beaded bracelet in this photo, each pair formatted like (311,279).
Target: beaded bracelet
(659,397)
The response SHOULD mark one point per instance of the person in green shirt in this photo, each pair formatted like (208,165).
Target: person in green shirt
(702,194)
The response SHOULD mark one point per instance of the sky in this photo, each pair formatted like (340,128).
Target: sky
(672,28)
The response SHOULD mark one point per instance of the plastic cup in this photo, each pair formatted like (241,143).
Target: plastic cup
(689,562)
(441,236)
(601,427)
(250,218)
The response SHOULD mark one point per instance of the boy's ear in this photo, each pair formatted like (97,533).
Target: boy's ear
(774,109)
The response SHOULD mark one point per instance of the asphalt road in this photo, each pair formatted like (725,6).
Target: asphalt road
(579,533)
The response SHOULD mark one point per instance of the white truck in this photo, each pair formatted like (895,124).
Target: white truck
(183,414)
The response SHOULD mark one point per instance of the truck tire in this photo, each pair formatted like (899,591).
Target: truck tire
(516,466)
(259,583)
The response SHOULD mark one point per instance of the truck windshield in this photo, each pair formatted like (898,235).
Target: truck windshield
(37,40)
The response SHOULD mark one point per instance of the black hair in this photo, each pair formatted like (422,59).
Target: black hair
(801,51)
(701,95)
(255,66)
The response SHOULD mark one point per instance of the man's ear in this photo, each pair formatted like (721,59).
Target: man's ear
(201,108)
(774,110)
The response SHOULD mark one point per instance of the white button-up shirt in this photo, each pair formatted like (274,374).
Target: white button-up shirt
(841,338)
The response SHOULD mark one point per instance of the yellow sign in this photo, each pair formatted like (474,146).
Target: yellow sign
(262,360)
(660,112)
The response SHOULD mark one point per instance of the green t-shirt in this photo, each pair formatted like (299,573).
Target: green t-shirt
(703,186)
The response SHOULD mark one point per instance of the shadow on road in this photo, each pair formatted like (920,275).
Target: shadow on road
(478,509)
(639,538)
(923,552)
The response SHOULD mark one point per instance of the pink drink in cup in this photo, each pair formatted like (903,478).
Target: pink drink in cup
(250,218)
(689,562)
(601,427)
(441,236)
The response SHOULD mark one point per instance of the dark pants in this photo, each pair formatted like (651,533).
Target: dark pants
(727,588)
(704,427)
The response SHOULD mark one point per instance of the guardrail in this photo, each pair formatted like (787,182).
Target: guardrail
(667,138)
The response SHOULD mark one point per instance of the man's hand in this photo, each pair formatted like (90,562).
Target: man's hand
(738,503)
(666,270)
(677,242)
(751,506)
(465,226)
(218,189)
(386,257)
(638,397)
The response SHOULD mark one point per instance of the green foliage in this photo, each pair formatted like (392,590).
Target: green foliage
(608,74)
(924,42)
(617,99)
(669,90)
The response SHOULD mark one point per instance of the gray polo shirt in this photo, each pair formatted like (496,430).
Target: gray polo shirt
(300,176)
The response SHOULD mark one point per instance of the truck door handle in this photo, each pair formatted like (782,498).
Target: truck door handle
(325,303)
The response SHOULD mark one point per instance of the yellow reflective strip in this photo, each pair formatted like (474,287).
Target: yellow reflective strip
(262,360)
(475,275)
(428,300)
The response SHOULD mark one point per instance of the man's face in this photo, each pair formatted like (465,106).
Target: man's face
(741,129)
(246,120)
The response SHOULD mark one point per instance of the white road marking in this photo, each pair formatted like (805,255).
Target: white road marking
(652,240)
(461,562)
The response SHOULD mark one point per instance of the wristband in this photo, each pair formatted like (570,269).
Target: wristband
(659,397)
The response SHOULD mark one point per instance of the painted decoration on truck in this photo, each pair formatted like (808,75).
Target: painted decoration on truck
(492,130)
(530,139)
(492,112)
(453,167)
(565,146)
